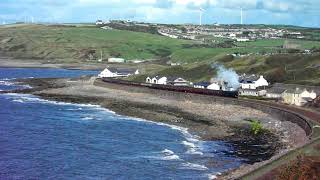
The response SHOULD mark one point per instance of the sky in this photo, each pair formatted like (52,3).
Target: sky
(291,12)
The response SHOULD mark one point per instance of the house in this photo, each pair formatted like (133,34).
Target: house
(298,97)
(177,81)
(99,22)
(252,82)
(243,39)
(156,80)
(275,93)
(201,85)
(118,72)
(252,92)
(116,60)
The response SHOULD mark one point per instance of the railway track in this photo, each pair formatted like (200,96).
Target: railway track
(314,116)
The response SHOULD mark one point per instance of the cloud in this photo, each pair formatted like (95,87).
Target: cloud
(166,11)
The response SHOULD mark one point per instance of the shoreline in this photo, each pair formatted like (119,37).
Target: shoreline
(7,62)
(236,132)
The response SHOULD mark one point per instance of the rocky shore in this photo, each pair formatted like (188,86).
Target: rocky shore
(206,118)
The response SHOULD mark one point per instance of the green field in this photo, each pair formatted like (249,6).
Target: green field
(72,43)
(78,43)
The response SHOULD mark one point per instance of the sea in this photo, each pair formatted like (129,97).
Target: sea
(41,139)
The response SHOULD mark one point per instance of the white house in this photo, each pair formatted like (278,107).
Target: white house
(243,39)
(252,82)
(177,81)
(148,80)
(156,80)
(116,60)
(298,97)
(118,72)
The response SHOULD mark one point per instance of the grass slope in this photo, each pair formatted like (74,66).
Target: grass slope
(77,43)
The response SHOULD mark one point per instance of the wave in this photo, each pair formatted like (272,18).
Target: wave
(6,83)
(8,79)
(169,155)
(165,155)
(18,100)
(87,118)
(32,98)
(193,166)
(193,149)
(212,176)
(189,144)
(167,151)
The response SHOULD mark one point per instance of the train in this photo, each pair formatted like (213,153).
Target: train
(184,89)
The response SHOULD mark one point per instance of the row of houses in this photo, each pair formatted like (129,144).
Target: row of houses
(175,81)
(179,81)
(250,85)
(298,96)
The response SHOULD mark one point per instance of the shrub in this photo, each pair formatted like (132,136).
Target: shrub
(256,127)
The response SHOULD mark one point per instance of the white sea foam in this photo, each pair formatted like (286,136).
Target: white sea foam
(31,98)
(167,152)
(194,151)
(169,155)
(165,155)
(193,166)
(6,83)
(212,176)
(189,144)
(18,100)
(87,118)
(8,79)
(172,157)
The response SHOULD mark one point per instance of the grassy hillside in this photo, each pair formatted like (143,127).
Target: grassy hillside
(77,43)
(297,69)
(80,43)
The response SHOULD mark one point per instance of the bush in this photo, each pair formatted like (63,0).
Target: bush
(256,127)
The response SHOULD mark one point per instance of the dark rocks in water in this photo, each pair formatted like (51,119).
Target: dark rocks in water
(254,148)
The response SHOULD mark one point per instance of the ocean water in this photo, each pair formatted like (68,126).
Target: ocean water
(42,139)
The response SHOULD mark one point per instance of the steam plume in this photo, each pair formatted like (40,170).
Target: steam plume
(228,75)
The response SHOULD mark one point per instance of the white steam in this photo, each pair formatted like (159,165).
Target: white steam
(229,76)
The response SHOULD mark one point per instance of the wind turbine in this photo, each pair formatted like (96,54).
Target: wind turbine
(241,16)
(201,10)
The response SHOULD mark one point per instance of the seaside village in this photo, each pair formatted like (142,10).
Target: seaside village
(251,86)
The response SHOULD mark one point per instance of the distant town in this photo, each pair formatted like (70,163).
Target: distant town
(239,33)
